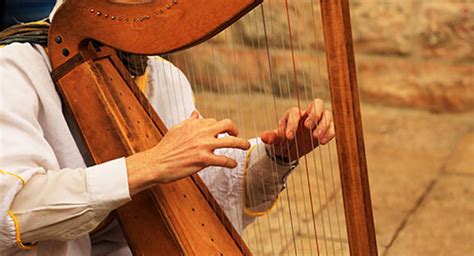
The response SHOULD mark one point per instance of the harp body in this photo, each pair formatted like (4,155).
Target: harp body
(116,120)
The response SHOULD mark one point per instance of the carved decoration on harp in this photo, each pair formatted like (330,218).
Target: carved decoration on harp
(118,121)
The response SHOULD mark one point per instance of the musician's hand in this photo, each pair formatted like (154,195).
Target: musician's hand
(186,149)
(299,132)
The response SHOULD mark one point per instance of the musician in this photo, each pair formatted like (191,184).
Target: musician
(50,201)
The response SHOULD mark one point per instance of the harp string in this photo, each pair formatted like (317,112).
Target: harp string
(307,177)
(286,192)
(266,56)
(213,82)
(177,76)
(302,178)
(232,179)
(257,224)
(291,178)
(285,219)
(240,124)
(201,85)
(218,112)
(328,146)
(207,177)
(313,143)
(250,189)
(296,88)
(319,150)
(226,88)
(178,102)
(316,177)
(323,171)
(270,74)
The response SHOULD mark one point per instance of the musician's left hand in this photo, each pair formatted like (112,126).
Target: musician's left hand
(300,131)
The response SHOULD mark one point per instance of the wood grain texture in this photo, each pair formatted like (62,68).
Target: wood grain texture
(347,119)
(150,28)
(115,120)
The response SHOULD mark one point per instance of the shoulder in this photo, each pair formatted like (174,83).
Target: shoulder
(166,75)
(25,62)
(169,91)
(164,69)
(23,68)
(23,54)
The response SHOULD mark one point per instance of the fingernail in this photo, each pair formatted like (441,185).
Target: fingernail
(308,123)
(319,133)
(289,135)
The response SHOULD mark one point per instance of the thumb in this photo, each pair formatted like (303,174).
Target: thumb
(271,137)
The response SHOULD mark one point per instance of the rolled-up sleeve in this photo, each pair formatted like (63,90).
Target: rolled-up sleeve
(40,200)
(264,179)
(65,204)
(170,93)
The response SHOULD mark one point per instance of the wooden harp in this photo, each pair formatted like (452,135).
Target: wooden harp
(116,120)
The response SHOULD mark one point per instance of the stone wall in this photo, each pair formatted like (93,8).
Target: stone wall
(410,53)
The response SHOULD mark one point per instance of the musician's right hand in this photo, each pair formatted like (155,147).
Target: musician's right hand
(186,149)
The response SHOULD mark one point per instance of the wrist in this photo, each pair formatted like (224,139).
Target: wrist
(281,160)
(138,170)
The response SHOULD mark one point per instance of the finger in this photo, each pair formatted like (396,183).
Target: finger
(225,126)
(293,120)
(272,137)
(230,142)
(329,135)
(315,110)
(208,121)
(282,125)
(194,115)
(323,125)
(222,161)
(268,136)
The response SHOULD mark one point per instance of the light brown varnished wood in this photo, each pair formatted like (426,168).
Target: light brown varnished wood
(115,120)
(347,119)
(198,182)
(151,27)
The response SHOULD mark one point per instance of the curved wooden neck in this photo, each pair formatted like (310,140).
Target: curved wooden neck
(116,120)
(148,27)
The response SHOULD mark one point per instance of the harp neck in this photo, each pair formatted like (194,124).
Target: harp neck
(147,27)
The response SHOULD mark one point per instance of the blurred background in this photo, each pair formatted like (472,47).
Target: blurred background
(17,11)
(415,63)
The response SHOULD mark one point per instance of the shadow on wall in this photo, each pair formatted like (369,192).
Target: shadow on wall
(18,11)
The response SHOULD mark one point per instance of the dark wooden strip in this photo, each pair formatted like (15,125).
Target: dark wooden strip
(65,68)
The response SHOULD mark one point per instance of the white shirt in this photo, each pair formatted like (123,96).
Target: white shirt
(62,200)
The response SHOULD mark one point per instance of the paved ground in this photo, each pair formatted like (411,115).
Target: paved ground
(422,176)
(421,168)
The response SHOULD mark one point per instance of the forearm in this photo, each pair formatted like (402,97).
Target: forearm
(138,179)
